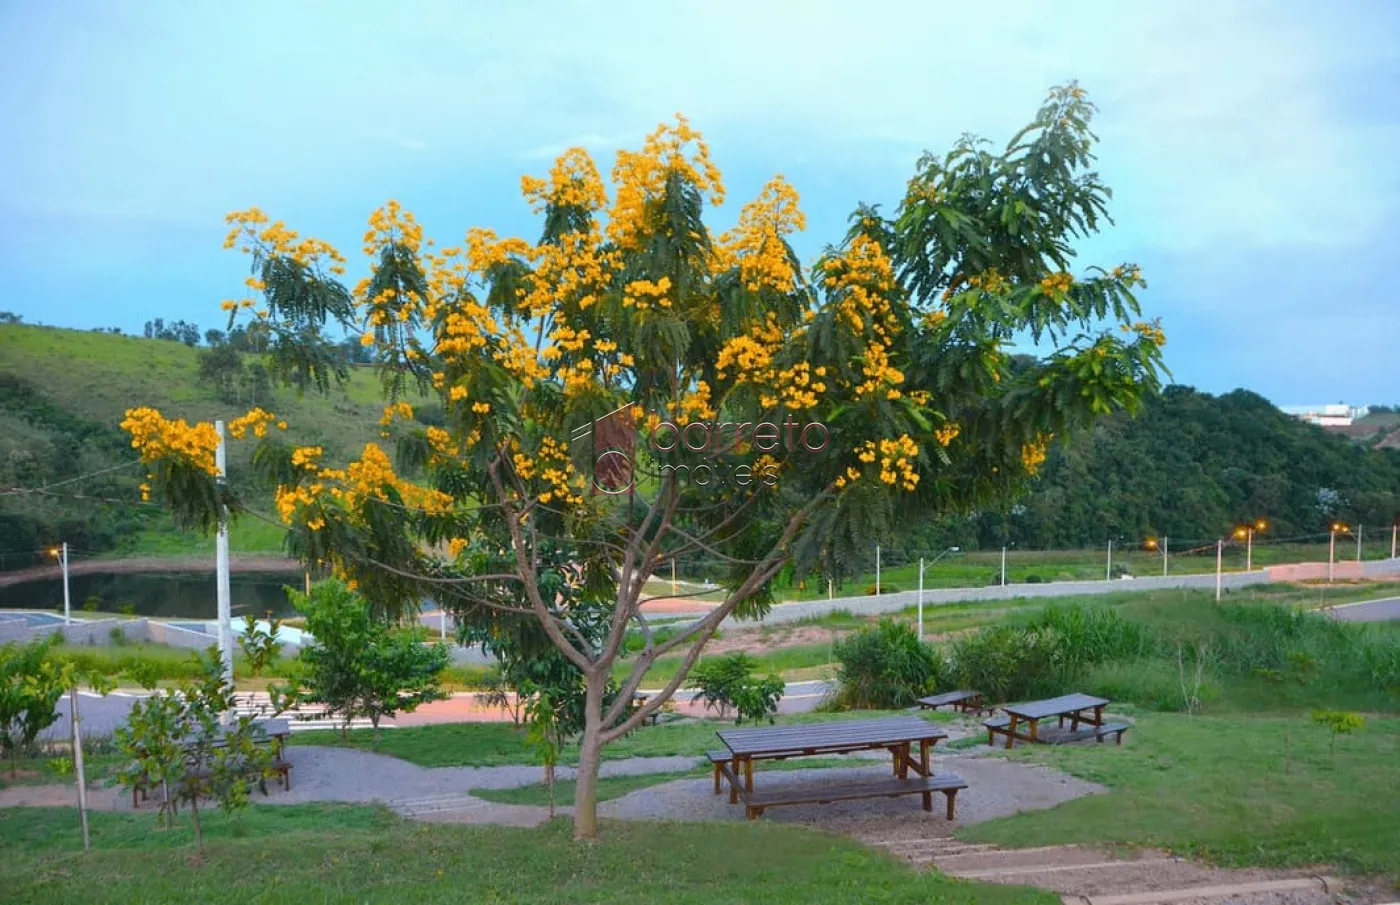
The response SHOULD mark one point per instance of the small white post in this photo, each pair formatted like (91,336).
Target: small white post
(1164,556)
(78,767)
(1358,543)
(921,598)
(1331,552)
(442,621)
(1394,529)
(830,585)
(673,575)
(1003,567)
(1249,551)
(877,570)
(1108,569)
(225,612)
(67,601)
(1219,558)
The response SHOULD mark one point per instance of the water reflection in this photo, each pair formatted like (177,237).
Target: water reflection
(178,595)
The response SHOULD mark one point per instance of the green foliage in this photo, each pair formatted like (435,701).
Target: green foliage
(1338,722)
(884,667)
(30,686)
(360,666)
(178,745)
(260,645)
(728,684)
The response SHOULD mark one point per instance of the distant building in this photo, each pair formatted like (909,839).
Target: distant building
(1339,415)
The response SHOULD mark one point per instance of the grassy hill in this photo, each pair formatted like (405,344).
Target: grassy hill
(63,394)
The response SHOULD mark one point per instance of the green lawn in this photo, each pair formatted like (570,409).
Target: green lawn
(498,744)
(1238,791)
(302,854)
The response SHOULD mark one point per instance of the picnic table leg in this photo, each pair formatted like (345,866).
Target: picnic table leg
(1098,715)
(734,768)
(1011,732)
(1035,734)
(1073,721)
(894,760)
(748,775)
(925,752)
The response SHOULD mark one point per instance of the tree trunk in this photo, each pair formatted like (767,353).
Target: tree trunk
(590,752)
(198,831)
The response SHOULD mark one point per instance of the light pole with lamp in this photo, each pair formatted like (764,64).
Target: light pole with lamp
(921,584)
(1337,527)
(1151,546)
(61,554)
(1246,534)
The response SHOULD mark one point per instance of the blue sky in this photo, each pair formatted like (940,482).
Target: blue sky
(1254,148)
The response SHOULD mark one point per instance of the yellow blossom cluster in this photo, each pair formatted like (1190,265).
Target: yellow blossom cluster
(895,459)
(640,177)
(455,546)
(485,250)
(392,225)
(1057,283)
(1130,274)
(442,443)
(749,357)
(396,410)
(307,457)
(372,477)
(571,273)
(257,420)
(556,470)
(251,231)
(993,282)
(946,434)
(1033,453)
(861,278)
(1152,332)
(644,294)
(517,356)
(758,242)
(573,182)
(466,330)
(156,437)
(696,404)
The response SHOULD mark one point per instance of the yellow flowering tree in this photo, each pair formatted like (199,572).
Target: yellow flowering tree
(820,405)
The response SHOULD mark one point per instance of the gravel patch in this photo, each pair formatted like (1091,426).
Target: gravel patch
(997,788)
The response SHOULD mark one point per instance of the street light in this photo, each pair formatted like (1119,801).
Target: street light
(921,584)
(1337,528)
(61,554)
(1246,533)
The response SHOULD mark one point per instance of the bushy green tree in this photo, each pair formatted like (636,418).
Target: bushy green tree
(893,345)
(884,667)
(359,665)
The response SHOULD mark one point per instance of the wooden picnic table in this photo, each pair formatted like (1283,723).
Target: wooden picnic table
(898,735)
(965,701)
(1074,707)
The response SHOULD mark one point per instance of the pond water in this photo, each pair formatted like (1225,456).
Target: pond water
(171,595)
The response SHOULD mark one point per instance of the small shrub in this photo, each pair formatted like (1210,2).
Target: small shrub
(884,667)
(117,636)
(1338,722)
(884,589)
(128,610)
(729,684)
(1033,578)
(92,603)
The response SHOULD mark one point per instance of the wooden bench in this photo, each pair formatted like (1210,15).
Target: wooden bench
(997,726)
(962,701)
(1114,729)
(756,803)
(723,762)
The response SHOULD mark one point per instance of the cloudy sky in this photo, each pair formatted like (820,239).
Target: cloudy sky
(1254,148)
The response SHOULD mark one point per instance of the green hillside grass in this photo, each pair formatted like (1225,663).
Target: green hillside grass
(97,377)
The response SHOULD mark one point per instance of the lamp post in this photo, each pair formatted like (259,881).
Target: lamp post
(1108,568)
(61,554)
(1246,534)
(921,584)
(1219,557)
(1337,527)
(1151,546)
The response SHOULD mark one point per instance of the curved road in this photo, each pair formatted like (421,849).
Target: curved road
(1385,610)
